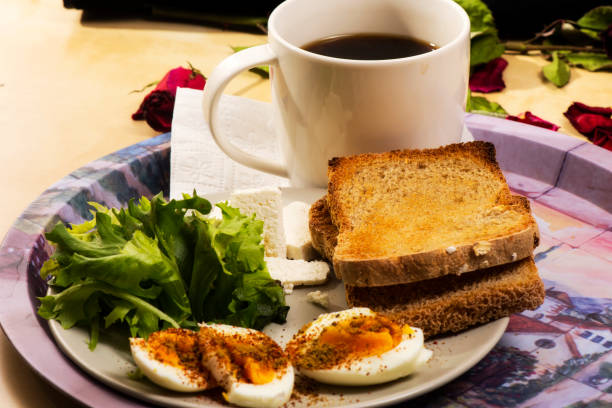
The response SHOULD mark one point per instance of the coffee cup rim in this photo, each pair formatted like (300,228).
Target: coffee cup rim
(272,32)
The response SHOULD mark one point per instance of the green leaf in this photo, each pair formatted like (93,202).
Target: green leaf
(598,18)
(150,84)
(158,264)
(557,72)
(262,70)
(484,49)
(481,105)
(485,44)
(119,312)
(481,18)
(589,60)
(594,34)
(243,292)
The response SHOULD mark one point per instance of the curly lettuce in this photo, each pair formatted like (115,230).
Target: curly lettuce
(158,264)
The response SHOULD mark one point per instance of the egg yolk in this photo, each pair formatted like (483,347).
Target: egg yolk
(347,340)
(253,358)
(177,348)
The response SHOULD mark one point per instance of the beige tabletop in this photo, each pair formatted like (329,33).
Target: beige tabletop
(65,100)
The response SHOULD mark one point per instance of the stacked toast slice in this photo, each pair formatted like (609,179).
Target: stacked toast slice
(433,237)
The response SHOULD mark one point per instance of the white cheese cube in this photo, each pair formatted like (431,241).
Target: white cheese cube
(297,272)
(318,298)
(267,205)
(297,233)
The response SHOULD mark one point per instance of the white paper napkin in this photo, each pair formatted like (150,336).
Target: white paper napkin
(197,162)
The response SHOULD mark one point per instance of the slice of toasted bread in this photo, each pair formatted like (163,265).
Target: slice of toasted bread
(454,303)
(323,233)
(404,216)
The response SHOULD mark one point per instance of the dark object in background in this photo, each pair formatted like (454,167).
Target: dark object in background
(254,8)
(246,16)
(515,19)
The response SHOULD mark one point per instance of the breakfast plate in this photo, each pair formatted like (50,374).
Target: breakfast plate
(112,364)
(556,355)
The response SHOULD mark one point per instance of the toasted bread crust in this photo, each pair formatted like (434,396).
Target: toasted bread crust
(358,265)
(323,233)
(420,266)
(451,303)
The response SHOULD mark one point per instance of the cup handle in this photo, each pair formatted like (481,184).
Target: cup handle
(216,83)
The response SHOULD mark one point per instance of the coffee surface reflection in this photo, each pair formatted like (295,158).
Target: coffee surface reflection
(368,46)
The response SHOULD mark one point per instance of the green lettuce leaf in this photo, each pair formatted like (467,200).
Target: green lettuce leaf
(244,294)
(157,264)
(80,304)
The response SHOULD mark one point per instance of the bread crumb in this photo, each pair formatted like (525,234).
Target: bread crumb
(462,269)
(481,248)
(318,298)
(288,288)
(514,256)
(484,264)
(451,249)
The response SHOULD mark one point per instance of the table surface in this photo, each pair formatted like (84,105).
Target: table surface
(65,100)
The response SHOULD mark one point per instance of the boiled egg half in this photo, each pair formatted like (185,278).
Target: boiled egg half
(251,367)
(171,359)
(357,347)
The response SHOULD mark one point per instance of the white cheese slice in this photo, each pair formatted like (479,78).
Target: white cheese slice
(266,203)
(318,298)
(295,272)
(297,233)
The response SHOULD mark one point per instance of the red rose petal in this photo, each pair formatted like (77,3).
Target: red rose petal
(603,138)
(157,110)
(589,119)
(489,78)
(158,106)
(181,77)
(532,119)
(588,122)
(582,108)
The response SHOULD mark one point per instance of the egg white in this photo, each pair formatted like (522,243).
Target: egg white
(408,356)
(273,394)
(174,378)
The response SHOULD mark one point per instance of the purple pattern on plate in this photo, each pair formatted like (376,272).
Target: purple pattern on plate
(524,150)
(567,174)
(142,169)
(587,172)
(556,355)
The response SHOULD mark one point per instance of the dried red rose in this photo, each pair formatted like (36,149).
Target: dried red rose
(593,122)
(157,107)
(603,138)
(532,119)
(489,77)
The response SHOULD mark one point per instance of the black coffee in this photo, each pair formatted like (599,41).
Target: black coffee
(369,46)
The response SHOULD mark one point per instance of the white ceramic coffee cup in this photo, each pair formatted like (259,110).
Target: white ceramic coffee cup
(326,107)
